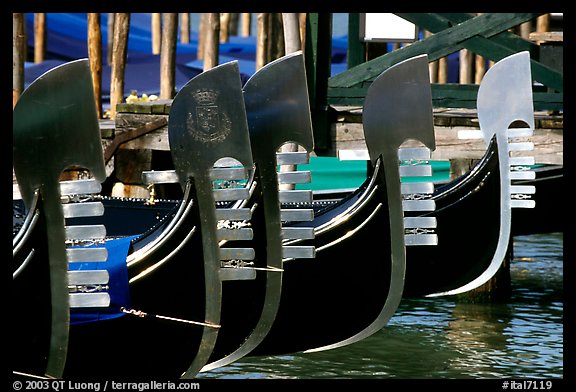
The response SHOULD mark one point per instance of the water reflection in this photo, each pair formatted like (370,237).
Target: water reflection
(441,338)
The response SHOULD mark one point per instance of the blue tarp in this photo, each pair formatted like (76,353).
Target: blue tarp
(67,37)
(118,285)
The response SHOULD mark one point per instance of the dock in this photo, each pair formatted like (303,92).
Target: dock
(128,159)
(135,155)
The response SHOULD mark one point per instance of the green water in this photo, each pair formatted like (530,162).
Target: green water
(439,338)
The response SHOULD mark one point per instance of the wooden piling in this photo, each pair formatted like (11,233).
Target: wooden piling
(291,25)
(95,57)
(156,31)
(168,55)
(40,35)
(543,23)
(211,40)
(443,70)
(261,37)
(110,40)
(479,68)
(269,38)
(185,28)
(465,71)
(497,288)
(246,24)
(119,53)
(234,23)
(224,27)
(18,55)
(201,35)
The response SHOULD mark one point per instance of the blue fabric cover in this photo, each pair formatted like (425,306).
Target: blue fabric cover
(119,290)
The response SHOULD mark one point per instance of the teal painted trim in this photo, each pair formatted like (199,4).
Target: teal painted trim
(333,173)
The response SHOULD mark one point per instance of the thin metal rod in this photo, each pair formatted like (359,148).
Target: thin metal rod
(140,313)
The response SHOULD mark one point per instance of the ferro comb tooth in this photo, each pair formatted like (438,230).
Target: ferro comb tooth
(78,210)
(297,233)
(237,273)
(160,177)
(297,214)
(76,278)
(413,153)
(236,214)
(521,146)
(294,177)
(526,203)
(228,173)
(231,194)
(523,175)
(419,205)
(80,232)
(415,170)
(89,300)
(241,234)
(528,189)
(77,187)
(521,161)
(298,252)
(520,132)
(407,188)
(292,158)
(86,254)
(420,239)
(420,221)
(295,196)
(237,253)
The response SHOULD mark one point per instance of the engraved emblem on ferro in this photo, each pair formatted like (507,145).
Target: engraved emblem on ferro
(208,123)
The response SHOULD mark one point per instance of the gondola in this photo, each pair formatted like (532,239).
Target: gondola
(378,311)
(97,318)
(344,295)
(276,341)
(470,219)
(479,238)
(317,267)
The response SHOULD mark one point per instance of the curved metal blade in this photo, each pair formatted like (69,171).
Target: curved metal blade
(55,125)
(276,99)
(207,122)
(397,107)
(277,105)
(504,96)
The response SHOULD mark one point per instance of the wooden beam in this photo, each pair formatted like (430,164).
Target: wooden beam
(496,47)
(436,46)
